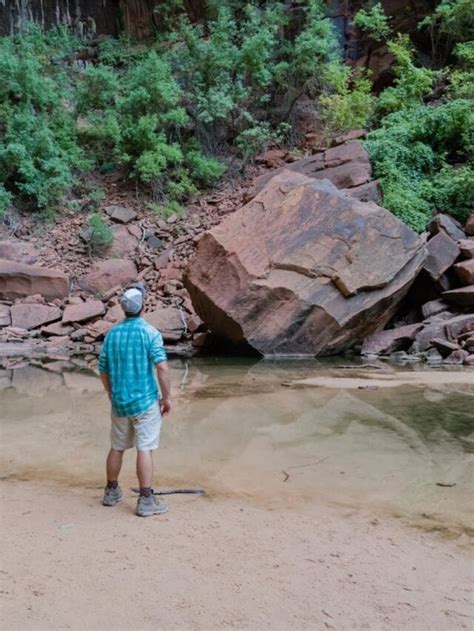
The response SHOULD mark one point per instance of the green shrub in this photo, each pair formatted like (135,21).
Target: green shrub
(100,234)
(414,154)
(167,210)
(5,200)
(374,21)
(412,83)
(350,105)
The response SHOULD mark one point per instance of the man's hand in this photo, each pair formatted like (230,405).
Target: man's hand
(165,406)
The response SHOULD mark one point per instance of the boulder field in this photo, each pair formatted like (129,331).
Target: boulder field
(301,260)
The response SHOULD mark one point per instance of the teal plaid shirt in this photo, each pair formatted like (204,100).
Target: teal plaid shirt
(129,355)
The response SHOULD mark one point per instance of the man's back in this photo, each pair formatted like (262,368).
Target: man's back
(129,354)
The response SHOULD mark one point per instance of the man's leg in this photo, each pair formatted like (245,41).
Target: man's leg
(145,471)
(113,466)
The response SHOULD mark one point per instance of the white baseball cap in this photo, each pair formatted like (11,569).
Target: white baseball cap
(132,300)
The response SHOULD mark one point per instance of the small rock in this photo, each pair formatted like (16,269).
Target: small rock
(78,335)
(195,324)
(107,274)
(386,342)
(464,296)
(465,272)
(5,318)
(172,219)
(457,357)
(442,253)
(469,227)
(74,300)
(434,307)
(121,214)
(154,242)
(162,260)
(115,314)
(168,321)
(31,316)
(100,328)
(446,224)
(467,248)
(58,328)
(84,311)
(444,346)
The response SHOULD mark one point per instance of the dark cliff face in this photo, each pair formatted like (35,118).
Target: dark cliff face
(141,18)
(361,51)
(87,18)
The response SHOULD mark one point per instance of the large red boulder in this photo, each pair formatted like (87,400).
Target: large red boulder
(20,279)
(303,269)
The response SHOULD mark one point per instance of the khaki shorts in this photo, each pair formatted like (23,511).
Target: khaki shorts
(142,431)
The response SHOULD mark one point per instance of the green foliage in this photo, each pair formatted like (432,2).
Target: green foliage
(351,103)
(462,77)
(415,153)
(374,21)
(412,83)
(5,200)
(100,234)
(167,210)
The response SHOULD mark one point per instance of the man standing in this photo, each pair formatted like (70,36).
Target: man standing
(129,355)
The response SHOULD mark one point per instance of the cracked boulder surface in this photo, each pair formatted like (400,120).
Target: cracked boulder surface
(303,269)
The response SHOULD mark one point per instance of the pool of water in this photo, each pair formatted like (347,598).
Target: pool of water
(390,440)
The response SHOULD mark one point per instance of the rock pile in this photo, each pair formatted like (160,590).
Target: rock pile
(438,325)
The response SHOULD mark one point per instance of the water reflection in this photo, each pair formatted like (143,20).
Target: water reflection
(238,431)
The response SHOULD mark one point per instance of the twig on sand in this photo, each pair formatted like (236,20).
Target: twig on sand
(300,466)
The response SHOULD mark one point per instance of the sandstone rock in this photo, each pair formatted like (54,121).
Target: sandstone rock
(19,279)
(444,346)
(100,328)
(370,192)
(469,227)
(454,327)
(18,251)
(346,166)
(468,344)
(433,308)
(446,224)
(390,340)
(354,134)
(124,244)
(84,311)
(456,357)
(469,360)
(121,214)
(424,337)
(115,314)
(195,324)
(58,328)
(31,316)
(78,335)
(463,297)
(465,272)
(107,274)
(467,248)
(5,318)
(168,321)
(163,259)
(302,268)
(442,253)
(155,242)
(36,299)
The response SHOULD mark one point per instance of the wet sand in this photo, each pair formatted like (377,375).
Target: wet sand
(324,508)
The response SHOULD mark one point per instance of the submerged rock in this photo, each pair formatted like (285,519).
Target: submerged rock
(303,268)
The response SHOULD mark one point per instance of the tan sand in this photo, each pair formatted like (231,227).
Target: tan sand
(216,563)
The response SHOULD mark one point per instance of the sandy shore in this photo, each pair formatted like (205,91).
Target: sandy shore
(216,562)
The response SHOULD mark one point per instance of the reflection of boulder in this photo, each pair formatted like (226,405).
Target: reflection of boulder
(34,382)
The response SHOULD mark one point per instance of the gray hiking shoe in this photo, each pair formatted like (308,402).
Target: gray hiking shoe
(112,496)
(147,506)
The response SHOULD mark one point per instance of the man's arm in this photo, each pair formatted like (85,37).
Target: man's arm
(163,374)
(104,377)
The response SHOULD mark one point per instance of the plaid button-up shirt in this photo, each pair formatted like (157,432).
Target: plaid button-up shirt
(129,355)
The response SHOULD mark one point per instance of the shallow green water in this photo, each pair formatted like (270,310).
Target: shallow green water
(240,429)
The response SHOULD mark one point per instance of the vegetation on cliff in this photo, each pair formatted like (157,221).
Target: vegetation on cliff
(177,112)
